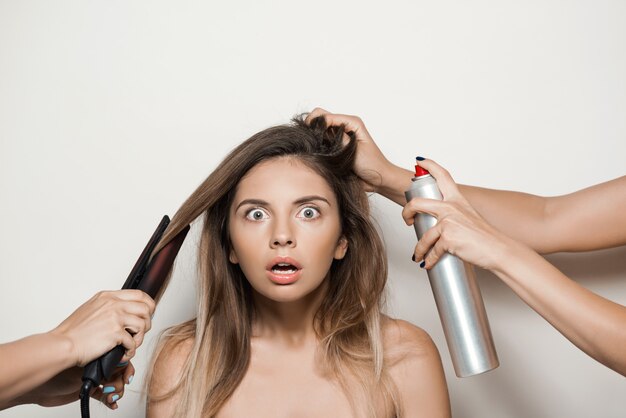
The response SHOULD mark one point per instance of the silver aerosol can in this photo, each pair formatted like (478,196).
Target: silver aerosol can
(457,295)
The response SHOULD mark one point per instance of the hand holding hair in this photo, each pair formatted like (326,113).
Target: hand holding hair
(376,172)
(46,368)
(370,163)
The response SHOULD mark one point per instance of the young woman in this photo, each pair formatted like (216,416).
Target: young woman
(292,273)
(503,232)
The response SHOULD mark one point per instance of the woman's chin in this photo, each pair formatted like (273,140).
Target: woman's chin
(288,293)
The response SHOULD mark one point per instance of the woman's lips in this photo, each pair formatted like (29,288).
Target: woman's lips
(283,270)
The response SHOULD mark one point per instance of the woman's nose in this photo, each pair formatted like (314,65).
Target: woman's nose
(282,236)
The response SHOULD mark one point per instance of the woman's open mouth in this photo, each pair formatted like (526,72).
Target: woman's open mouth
(283,270)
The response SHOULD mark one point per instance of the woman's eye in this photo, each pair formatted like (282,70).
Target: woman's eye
(309,213)
(256,215)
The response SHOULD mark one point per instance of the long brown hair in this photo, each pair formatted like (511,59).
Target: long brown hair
(348,322)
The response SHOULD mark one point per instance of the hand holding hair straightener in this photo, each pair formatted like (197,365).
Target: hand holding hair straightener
(45,368)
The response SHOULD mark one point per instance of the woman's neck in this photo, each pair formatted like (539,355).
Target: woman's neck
(288,322)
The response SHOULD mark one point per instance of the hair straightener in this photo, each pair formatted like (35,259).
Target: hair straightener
(147,275)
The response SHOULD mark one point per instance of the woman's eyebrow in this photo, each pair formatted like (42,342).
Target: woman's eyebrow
(257,202)
(311,198)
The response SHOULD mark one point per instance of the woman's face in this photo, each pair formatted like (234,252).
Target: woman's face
(285,229)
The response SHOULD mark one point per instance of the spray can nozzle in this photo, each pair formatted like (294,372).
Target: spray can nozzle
(420,171)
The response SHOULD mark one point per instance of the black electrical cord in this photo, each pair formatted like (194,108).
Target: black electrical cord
(85,390)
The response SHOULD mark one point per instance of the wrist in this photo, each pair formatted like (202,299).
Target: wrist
(509,254)
(62,348)
(395,181)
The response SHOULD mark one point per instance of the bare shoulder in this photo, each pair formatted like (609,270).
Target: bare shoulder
(408,347)
(414,365)
(166,375)
(403,334)
(169,364)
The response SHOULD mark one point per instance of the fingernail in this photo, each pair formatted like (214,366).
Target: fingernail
(130,379)
(422,264)
(108,389)
(122,364)
(114,398)
(413,257)
(418,158)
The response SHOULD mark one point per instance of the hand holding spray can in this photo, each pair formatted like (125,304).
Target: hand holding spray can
(457,295)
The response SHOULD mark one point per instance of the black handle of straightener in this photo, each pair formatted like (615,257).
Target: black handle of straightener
(102,368)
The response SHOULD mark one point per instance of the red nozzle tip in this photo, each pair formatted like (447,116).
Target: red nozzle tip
(419,171)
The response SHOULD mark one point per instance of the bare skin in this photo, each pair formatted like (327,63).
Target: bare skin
(504,231)
(46,369)
(284,378)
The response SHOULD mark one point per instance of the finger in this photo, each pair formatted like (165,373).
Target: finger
(352,123)
(97,394)
(130,354)
(425,243)
(111,400)
(318,111)
(436,208)
(135,295)
(113,389)
(446,183)
(129,374)
(138,337)
(134,324)
(136,315)
(140,311)
(101,397)
(436,252)
(129,344)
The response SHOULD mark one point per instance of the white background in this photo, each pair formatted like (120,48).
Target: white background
(112,112)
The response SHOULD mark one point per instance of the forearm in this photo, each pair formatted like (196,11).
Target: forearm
(395,181)
(29,362)
(521,216)
(595,325)
(589,219)
(518,215)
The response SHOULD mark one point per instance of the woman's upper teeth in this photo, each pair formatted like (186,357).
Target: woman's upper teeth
(284,268)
